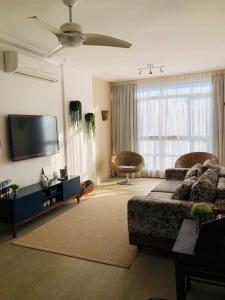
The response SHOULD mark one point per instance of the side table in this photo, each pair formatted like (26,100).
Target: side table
(205,268)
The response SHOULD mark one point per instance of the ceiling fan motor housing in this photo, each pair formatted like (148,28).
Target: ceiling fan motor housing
(70,2)
(72,35)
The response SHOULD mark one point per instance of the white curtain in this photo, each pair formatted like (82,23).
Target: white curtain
(174,116)
(218,82)
(124,117)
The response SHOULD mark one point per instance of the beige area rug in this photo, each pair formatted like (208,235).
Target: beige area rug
(95,229)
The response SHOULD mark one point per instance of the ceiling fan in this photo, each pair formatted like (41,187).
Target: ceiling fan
(70,34)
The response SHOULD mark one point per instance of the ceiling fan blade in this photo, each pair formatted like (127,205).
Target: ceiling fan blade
(104,40)
(55,50)
(46,26)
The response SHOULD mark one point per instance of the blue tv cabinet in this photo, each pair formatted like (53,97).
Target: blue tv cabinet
(35,200)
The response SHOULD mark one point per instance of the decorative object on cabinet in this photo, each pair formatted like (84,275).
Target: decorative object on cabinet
(47,171)
(14,187)
(64,173)
(75,110)
(90,123)
(35,200)
(4,187)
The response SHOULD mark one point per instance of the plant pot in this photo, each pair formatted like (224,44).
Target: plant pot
(105,114)
(198,225)
(15,193)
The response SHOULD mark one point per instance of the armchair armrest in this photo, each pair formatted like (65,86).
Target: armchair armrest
(176,173)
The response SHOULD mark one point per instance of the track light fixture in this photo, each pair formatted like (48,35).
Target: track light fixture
(151,68)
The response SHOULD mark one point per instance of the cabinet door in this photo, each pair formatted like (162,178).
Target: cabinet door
(28,206)
(71,188)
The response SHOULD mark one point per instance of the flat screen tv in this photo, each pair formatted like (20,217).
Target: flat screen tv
(32,136)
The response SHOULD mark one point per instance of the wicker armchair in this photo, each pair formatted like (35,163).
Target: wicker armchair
(190,159)
(127,162)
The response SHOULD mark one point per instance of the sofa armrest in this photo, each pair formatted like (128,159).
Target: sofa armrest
(156,217)
(176,173)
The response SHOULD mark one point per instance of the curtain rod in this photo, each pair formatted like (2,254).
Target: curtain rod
(168,77)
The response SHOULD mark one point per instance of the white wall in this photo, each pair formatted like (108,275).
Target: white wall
(23,95)
(80,148)
(102,101)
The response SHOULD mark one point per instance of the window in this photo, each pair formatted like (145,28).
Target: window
(173,119)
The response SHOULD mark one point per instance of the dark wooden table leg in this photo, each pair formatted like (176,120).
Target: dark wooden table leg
(180,277)
(14,230)
(78,199)
(188,281)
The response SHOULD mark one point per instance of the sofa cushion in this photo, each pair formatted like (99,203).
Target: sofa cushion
(167,186)
(176,173)
(221,188)
(161,196)
(196,170)
(183,190)
(205,187)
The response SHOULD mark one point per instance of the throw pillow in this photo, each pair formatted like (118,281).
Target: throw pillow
(205,187)
(211,174)
(203,190)
(210,163)
(195,170)
(183,191)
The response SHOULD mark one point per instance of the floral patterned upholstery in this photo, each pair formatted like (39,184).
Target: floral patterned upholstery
(155,216)
(155,220)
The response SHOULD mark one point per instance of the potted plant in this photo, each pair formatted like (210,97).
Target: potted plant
(90,123)
(200,211)
(75,110)
(15,188)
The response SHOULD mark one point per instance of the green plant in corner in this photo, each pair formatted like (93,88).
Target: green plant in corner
(90,123)
(75,110)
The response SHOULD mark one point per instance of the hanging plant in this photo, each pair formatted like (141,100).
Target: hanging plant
(75,110)
(90,122)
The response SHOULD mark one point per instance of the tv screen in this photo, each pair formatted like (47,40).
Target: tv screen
(32,136)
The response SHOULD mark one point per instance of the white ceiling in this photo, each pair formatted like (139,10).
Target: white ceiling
(185,35)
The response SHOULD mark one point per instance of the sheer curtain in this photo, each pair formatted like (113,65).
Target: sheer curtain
(174,117)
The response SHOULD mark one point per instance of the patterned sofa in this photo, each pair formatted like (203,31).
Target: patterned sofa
(155,220)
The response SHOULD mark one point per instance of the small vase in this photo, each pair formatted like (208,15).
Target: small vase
(198,223)
(15,193)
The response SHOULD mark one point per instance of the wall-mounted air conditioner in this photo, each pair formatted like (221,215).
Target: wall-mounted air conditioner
(15,62)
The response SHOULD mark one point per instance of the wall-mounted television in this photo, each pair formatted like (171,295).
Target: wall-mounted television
(32,136)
